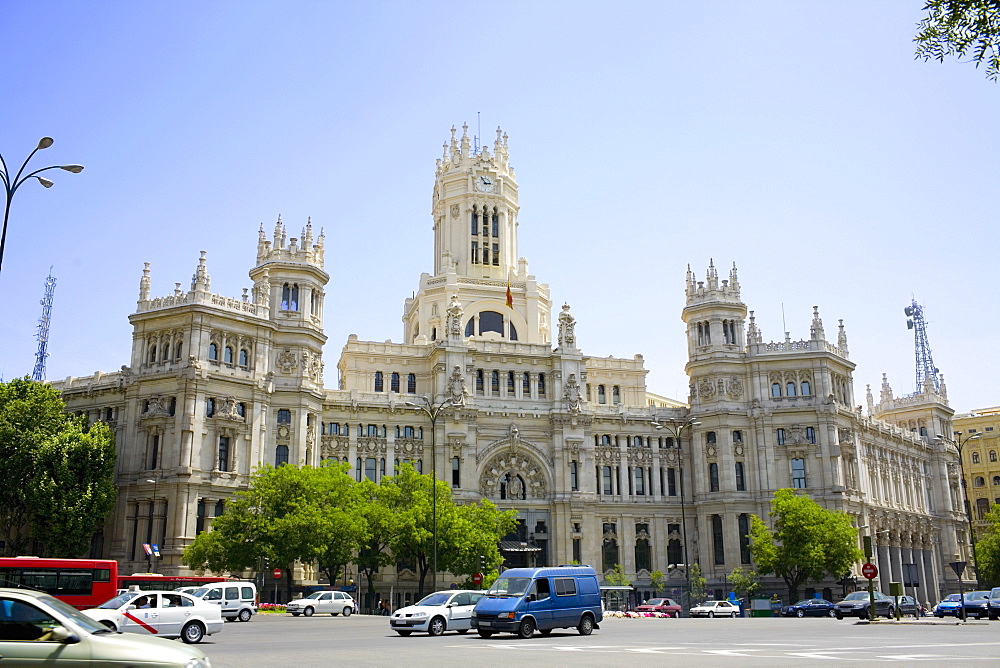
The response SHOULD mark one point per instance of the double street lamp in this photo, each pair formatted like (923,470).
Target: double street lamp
(959,443)
(433,411)
(12,184)
(676,427)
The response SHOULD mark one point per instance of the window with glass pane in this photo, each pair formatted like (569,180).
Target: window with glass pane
(394,382)
(811,435)
(574,482)
(744,529)
(280,455)
(671,482)
(456,472)
(378,381)
(639,475)
(775,389)
(718,541)
(713,477)
(741,483)
(799,473)
(606,475)
(411,383)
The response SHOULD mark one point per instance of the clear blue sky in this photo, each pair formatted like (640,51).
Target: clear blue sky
(799,139)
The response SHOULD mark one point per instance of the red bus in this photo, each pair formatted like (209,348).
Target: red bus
(83,583)
(155,581)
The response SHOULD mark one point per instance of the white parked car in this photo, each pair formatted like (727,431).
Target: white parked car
(167,614)
(37,629)
(333,602)
(436,613)
(716,609)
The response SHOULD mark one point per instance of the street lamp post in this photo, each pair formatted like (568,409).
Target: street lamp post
(959,443)
(433,411)
(676,427)
(12,184)
(152,523)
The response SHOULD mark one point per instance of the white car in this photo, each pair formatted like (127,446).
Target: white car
(167,614)
(436,613)
(333,602)
(716,609)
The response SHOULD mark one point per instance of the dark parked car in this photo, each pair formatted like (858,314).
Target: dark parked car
(909,606)
(949,605)
(810,607)
(976,604)
(856,604)
(995,603)
(667,606)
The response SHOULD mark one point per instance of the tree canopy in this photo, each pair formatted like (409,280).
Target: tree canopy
(321,515)
(961,28)
(988,550)
(60,473)
(807,542)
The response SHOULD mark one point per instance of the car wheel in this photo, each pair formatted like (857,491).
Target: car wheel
(296,614)
(545,632)
(245,615)
(733,615)
(484,634)
(463,631)
(890,613)
(993,617)
(404,633)
(711,614)
(800,613)
(348,611)
(110,625)
(436,627)
(192,633)
(586,626)
(526,628)
(308,612)
(837,614)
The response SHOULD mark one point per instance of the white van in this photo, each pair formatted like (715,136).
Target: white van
(238,598)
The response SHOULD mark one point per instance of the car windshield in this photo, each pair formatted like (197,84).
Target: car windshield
(950,597)
(315,595)
(805,601)
(977,595)
(198,593)
(509,587)
(857,596)
(656,601)
(118,601)
(66,610)
(439,598)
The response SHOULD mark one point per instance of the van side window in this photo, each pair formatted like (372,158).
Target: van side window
(232,593)
(540,588)
(247,593)
(565,586)
(214,595)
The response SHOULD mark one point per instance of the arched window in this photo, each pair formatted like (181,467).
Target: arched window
(280,455)
(602,397)
(152,354)
(244,358)
(411,383)
(213,352)
(178,350)
(227,355)
(979,481)
(513,331)
(475,221)
(378,381)
(790,389)
(290,297)
(470,327)
(996,480)
(982,507)
(775,389)
(923,431)
(975,457)
(166,352)
(806,389)
(490,321)
(394,382)
(713,477)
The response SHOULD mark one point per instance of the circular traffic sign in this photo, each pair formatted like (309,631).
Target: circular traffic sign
(477,578)
(276,573)
(869,571)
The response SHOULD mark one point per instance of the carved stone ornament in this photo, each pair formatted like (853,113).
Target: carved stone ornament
(706,388)
(520,475)
(283,431)
(335,446)
(711,451)
(456,387)
(455,211)
(567,327)
(738,450)
(734,388)
(640,456)
(286,361)
(572,394)
(227,409)
(156,407)
(455,314)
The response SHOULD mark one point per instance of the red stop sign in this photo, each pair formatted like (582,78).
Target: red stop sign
(276,573)
(869,571)
(477,578)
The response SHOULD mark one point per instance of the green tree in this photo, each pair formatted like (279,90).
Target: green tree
(961,28)
(988,550)
(64,473)
(288,514)
(617,577)
(806,544)
(699,585)
(745,583)
(657,580)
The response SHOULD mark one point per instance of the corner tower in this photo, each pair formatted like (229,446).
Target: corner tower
(475,207)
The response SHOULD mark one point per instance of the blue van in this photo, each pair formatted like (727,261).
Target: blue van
(525,599)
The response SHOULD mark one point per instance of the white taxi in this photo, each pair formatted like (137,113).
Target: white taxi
(166,614)
(715,609)
(436,613)
(333,602)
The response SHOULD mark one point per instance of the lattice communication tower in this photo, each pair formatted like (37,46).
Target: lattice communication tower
(43,328)
(925,362)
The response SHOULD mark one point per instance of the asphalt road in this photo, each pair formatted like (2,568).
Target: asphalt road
(360,640)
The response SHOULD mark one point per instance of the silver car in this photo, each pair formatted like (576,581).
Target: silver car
(59,633)
(436,613)
(333,602)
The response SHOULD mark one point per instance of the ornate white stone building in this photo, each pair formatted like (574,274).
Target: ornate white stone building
(599,469)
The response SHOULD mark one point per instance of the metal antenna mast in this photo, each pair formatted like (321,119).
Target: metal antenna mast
(43,328)
(925,362)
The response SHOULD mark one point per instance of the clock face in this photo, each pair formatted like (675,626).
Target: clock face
(484,184)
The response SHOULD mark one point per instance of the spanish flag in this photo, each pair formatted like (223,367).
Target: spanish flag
(510,297)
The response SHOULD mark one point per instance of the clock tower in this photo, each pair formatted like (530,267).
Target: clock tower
(475,208)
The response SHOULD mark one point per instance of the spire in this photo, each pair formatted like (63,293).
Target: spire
(841,336)
(886,395)
(279,233)
(734,282)
(753,334)
(144,283)
(712,276)
(201,281)
(816,331)
(869,399)
(465,140)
